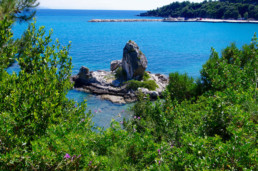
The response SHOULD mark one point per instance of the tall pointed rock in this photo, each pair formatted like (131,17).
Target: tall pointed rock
(134,62)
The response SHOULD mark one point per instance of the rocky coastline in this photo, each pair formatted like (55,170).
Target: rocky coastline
(113,85)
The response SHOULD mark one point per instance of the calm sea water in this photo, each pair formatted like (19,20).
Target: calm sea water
(169,47)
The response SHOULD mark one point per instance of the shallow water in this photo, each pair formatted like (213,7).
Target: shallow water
(104,111)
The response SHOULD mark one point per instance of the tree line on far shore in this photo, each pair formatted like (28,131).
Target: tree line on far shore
(222,9)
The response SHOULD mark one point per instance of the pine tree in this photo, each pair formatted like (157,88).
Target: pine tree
(22,10)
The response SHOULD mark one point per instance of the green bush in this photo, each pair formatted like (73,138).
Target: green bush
(120,74)
(146,76)
(34,100)
(181,87)
(7,44)
(135,84)
(235,69)
(214,132)
(218,129)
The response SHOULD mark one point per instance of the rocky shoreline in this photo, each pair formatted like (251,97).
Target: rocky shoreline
(99,85)
(109,86)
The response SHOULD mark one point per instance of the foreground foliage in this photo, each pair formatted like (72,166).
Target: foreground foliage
(213,124)
(205,124)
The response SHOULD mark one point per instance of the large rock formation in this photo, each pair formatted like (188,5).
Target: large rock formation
(134,62)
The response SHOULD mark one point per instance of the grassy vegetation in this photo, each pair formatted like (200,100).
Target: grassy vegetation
(145,83)
(135,84)
(146,76)
(120,74)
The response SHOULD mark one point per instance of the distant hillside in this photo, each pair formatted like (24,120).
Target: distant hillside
(223,9)
(241,1)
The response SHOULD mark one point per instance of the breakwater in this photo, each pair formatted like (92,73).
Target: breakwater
(174,20)
(126,20)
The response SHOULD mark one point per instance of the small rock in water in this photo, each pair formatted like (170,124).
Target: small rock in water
(84,74)
(114,99)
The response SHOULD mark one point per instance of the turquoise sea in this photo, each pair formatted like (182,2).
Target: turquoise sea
(169,47)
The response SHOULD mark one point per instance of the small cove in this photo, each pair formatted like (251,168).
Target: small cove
(169,47)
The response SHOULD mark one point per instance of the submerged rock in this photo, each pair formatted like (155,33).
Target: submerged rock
(134,62)
(152,94)
(113,99)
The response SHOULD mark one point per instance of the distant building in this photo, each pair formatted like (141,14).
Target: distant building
(171,19)
(180,18)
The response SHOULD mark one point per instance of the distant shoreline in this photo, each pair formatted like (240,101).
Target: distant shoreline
(226,21)
(125,20)
(175,20)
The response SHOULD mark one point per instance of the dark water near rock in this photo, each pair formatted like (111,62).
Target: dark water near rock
(169,47)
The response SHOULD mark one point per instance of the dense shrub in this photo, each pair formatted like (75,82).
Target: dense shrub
(218,130)
(7,46)
(211,133)
(235,69)
(181,87)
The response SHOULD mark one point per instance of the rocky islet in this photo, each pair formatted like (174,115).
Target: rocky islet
(106,84)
